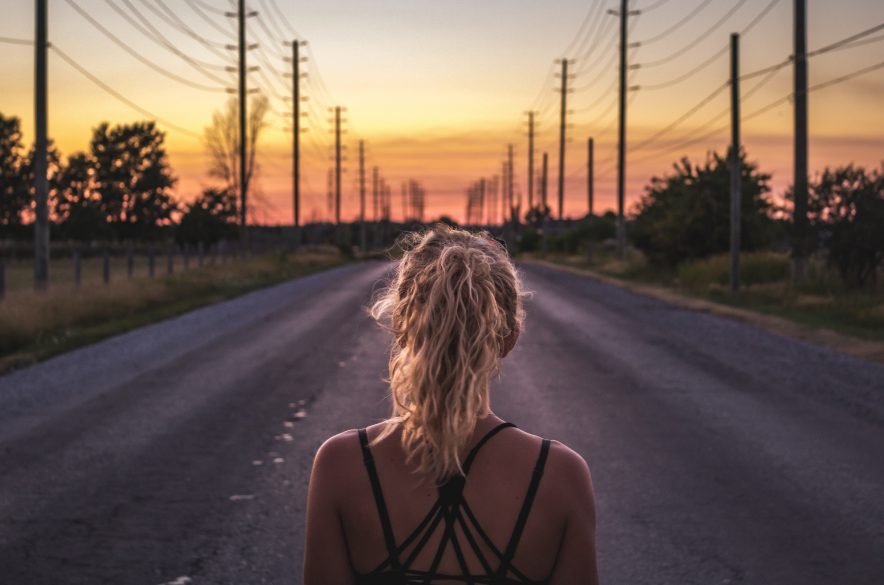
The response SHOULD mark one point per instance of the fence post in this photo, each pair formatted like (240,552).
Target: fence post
(106,267)
(78,269)
(2,278)
(170,266)
(199,254)
(186,257)
(151,261)
(130,261)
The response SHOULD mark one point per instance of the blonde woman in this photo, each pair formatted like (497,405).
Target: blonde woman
(444,491)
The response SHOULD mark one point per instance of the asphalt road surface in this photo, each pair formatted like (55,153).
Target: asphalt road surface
(179,453)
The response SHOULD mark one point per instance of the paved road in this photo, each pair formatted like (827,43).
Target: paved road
(179,453)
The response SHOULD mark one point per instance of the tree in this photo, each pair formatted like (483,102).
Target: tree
(132,178)
(846,214)
(687,215)
(78,208)
(222,143)
(208,219)
(13,186)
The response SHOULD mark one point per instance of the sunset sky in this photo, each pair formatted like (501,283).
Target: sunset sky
(438,89)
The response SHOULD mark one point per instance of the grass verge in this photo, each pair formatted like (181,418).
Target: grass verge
(36,326)
(821,312)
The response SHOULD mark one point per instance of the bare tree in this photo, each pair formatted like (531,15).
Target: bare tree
(222,142)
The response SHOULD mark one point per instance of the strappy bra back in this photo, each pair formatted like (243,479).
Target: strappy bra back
(450,511)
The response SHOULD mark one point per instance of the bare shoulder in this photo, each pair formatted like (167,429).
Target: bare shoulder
(337,453)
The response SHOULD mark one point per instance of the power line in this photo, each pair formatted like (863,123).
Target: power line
(677,25)
(846,41)
(120,43)
(653,6)
(70,61)
(151,33)
(715,93)
(284,19)
(175,22)
(12,41)
(697,40)
(209,20)
(583,25)
(715,56)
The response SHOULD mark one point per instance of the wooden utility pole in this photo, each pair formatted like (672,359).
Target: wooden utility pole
(41,184)
(621,133)
(337,164)
(531,159)
(509,184)
(482,200)
(563,114)
(375,185)
(544,182)
(590,187)
(736,171)
(243,107)
(296,131)
(362,237)
(504,207)
(799,183)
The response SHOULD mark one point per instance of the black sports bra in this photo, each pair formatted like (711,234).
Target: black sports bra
(451,509)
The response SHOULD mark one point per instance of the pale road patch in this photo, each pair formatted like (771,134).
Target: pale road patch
(862,348)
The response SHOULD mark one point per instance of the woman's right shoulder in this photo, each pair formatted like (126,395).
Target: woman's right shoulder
(568,478)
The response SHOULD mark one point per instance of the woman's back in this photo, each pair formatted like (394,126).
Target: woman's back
(482,530)
(442,491)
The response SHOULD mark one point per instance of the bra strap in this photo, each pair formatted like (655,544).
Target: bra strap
(379,500)
(526,509)
(475,450)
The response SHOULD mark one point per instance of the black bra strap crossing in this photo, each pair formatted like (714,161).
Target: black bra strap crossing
(526,509)
(379,500)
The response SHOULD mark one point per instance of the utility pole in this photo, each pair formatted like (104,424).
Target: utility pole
(531,159)
(504,206)
(736,171)
(544,182)
(799,183)
(41,186)
(362,238)
(243,107)
(337,164)
(562,124)
(509,184)
(621,132)
(482,200)
(296,131)
(590,187)
(375,184)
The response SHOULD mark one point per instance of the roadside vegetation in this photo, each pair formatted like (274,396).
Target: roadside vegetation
(679,240)
(36,326)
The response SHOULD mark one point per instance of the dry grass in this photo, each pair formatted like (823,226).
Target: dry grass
(36,325)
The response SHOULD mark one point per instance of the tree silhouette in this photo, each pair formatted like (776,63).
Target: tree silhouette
(132,178)
(222,142)
(686,215)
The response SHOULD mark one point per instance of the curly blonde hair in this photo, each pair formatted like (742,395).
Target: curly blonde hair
(454,307)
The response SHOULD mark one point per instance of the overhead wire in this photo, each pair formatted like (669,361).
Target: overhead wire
(108,89)
(159,39)
(123,45)
(705,34)
(678,24)
(714,57)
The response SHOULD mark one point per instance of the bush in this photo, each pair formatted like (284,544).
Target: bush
(686,215)
(755,268)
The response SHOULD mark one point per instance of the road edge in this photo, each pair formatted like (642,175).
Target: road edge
(868,350)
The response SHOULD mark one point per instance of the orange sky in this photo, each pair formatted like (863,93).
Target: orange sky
(437,90)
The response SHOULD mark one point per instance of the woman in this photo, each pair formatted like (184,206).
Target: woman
(445,491)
